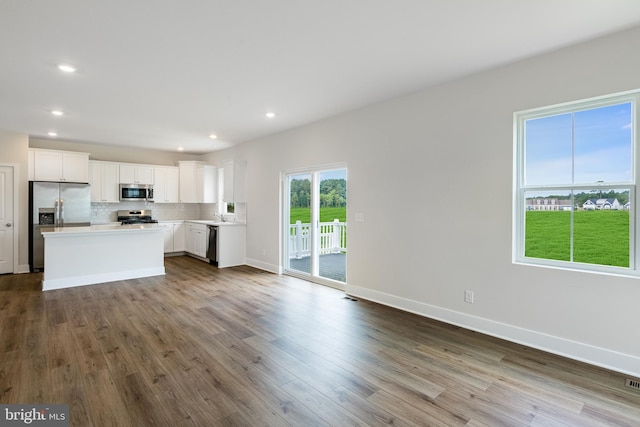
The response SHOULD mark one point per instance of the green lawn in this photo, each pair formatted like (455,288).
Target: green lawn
(326,215)
(600,237)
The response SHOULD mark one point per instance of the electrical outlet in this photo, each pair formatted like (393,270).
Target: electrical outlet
(468,296)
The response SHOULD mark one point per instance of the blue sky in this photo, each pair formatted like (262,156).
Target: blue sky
(602,141)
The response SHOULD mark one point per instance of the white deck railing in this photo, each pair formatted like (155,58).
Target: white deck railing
(333,238)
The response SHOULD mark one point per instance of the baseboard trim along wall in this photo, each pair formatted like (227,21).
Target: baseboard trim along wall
(271,268)
(615,361)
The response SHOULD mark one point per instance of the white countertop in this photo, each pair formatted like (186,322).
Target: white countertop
(169,221)
(97,229)
(212,222)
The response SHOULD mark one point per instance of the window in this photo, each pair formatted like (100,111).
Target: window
(224,208)
(575,185)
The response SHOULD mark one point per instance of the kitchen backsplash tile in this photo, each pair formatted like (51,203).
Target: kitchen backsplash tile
(107,212)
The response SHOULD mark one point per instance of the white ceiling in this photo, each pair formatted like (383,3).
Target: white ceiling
(167,73)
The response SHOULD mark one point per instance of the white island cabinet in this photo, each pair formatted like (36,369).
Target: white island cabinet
(77,256)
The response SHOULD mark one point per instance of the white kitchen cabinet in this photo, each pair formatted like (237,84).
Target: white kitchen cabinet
(104,179)
(136,174)
(197,239)
(168,236)
(198,182)
(166,187)
(232,243)
(179,237)
(59,166)
(234,182)
(174,237)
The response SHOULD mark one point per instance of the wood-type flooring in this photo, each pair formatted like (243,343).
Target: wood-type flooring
(241,347)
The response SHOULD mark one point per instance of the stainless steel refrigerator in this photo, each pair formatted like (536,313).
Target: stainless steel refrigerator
(53,204)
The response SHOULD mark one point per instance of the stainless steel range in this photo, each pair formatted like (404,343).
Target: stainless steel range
(143,216)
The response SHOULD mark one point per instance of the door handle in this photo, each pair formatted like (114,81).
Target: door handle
(8,224)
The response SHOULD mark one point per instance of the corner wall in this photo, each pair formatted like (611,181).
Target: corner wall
(432,172)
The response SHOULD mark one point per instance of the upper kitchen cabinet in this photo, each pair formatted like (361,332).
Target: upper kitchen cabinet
(58,166)
(234,182)
(165,188)
(136,174)
(104,180)
(197,182)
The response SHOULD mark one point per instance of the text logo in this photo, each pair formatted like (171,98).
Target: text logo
(34,415)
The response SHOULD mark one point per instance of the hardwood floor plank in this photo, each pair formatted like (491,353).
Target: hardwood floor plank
(323,407)
(10,376)
(34,383)
(364,409)
(104,403)
(67,384)
(204,346)
(426,414)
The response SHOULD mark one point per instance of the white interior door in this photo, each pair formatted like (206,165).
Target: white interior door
(7,228)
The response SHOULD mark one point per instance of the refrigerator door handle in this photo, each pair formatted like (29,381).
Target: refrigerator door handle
(61,221)
(56,213)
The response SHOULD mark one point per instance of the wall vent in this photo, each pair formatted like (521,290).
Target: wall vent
(633,384)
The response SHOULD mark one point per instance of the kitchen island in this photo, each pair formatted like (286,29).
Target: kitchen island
(77,256)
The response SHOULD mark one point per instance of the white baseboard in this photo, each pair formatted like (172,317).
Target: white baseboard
(272,268)
(92,279)
(609,359)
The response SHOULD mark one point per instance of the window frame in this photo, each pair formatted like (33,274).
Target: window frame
(520,188)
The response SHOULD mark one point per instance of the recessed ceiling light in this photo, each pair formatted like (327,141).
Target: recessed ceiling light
(52,134)
(67,68)
(180,148)
(57,112)
(270,115)
(212,136)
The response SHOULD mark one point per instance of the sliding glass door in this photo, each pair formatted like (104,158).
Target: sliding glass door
(316,225)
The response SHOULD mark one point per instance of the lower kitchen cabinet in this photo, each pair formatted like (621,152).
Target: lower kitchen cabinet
(168,236)
(197,239)
(231,245)
(231,242)
(174,236)
(179,237)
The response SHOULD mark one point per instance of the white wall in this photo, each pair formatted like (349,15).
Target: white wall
(417,165)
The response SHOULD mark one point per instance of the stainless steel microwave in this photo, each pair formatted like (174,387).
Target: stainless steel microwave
(140,192)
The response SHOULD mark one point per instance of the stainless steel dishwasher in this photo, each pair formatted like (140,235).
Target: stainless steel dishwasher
(212,248)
